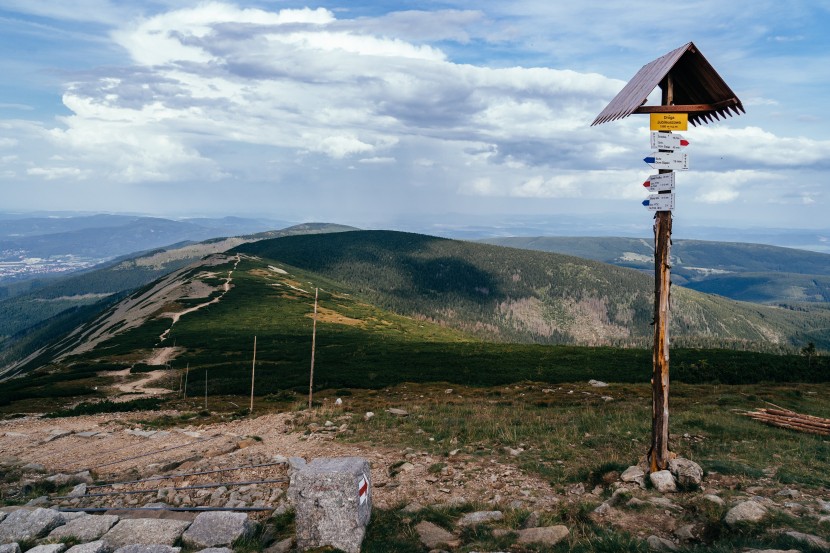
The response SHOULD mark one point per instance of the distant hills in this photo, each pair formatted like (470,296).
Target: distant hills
(747,272)
(37,247)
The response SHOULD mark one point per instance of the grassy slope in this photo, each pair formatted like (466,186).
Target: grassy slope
(363,346)
(32,319)
(515,295)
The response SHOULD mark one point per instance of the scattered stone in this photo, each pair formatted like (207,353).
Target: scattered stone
(33,467)
(547,535)
(49,548)
(824,520)
(788,492)
(663,481)
(368,415)
(635,503)
(42,500)
(247,442)
(597,383)
(85,528)
(338,401)
(513,452)
(714,499)
(78,490)
(398,412)
(607,398)
(656,543)
(151,548)
(9,547)
(480,517)
(92,547)
(664,502)
(432,535)
(686,533)
(689,475)
(216,550)
(809,539)
(604,508)
(145,531)
(406,467)
(824,505)
(56,433)
(217,528)
(25,525)
(747,511)
(634,474)
(333,502)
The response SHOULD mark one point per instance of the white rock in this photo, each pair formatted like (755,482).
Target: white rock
(663,481)
(747,511)
(657,543)
(634,474)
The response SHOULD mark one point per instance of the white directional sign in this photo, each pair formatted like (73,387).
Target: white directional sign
(658,183)
(660,202)
(668,141)
(668,160)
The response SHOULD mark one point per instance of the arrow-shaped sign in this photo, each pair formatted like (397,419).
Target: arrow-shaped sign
(658,183)
(668,141)
(660,202)
(668,160)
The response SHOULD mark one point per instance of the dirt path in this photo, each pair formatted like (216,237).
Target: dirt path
(226,286)
(398,476)
(139,388)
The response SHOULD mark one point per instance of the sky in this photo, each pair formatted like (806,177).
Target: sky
(374,113)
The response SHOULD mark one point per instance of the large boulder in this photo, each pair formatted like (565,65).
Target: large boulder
(689,475)
(25,525)
(217,529)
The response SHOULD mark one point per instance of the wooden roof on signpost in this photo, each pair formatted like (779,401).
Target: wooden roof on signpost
(698,89)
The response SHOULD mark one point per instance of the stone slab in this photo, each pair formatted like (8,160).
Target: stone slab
(85,528)
(145,531)
(24,524)
(97,546)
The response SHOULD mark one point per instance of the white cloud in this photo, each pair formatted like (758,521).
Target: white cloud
(720,195)
(54,173)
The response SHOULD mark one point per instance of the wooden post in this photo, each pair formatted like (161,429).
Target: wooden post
(186,370)
(313,346)
(205,388)
(253,366)
(659,453)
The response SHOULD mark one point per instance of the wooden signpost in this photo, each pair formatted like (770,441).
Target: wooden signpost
(692,92)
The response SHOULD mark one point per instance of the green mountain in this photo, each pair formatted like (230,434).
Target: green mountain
(516,295)
(404,307)
(747,272)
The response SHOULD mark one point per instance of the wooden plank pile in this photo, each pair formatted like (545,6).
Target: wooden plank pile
(784,418)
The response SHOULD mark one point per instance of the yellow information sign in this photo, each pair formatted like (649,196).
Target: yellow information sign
(669,121)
